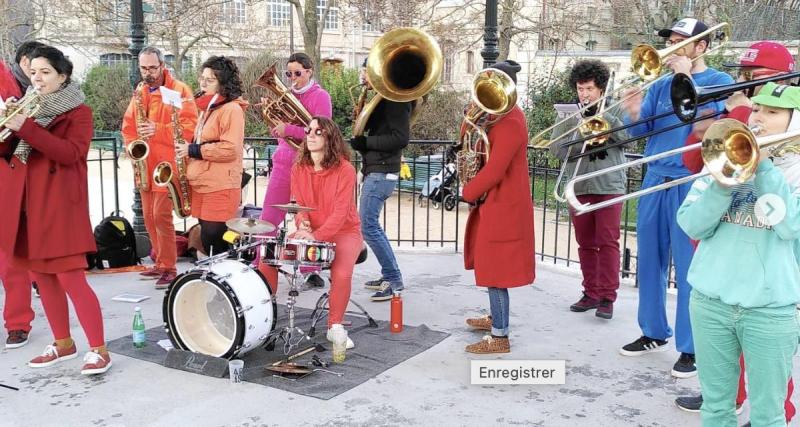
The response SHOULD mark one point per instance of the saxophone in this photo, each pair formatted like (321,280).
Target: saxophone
(177,184)
(138,149)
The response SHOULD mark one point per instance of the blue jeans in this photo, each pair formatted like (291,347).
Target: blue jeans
(374,192)
(498,305)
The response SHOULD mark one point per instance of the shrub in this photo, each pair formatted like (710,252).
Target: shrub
(108,92)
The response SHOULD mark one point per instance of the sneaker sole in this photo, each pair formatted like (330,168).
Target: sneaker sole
(624,352)
(604,315)
(379,299)
(96,371)
(683,375)
(694,411)
(17,345)
(580,309)
(54,361)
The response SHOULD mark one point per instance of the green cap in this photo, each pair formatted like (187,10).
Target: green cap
(781,96)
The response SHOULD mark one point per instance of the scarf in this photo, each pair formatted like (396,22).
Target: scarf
(304,89)
(204,104)
(22,79)
(52,105)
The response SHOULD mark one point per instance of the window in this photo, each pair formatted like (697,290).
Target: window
(185,67)
(470,62)
(332,19)
(114,59)
(449,62)
(591,44)
(368,19)
(233,12)
(280,12)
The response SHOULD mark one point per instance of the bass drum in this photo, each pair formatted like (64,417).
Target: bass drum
(222,310)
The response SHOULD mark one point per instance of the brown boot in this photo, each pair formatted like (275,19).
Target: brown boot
(490,344)
(480,323)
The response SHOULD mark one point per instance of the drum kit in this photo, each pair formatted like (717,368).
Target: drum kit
(224,307)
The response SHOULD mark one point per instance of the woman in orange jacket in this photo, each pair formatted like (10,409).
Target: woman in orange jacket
(215,156)
(324,179)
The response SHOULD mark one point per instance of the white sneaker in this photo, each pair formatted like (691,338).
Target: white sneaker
(350,343)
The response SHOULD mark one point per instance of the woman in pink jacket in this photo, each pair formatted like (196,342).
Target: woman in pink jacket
(299,71)
(323,178)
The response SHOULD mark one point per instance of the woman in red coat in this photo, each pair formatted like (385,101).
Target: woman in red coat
(500,229)
(46,227)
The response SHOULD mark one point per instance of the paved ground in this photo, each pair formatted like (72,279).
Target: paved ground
(602,388)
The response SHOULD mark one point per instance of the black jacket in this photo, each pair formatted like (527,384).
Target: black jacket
(387,130)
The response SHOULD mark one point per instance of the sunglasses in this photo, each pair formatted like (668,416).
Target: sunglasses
(749,75)
(317,131)
(297,73)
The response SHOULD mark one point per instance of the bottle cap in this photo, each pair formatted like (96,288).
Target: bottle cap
(138,309)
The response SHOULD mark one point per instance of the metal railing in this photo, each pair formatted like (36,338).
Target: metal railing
(412,216)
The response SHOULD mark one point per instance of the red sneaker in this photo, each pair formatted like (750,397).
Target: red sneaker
(95,363)
(53,355)
(152,273)
(166,278)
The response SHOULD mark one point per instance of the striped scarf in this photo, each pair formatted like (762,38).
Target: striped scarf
(52,105)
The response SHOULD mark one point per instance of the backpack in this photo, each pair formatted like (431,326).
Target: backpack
(116,243)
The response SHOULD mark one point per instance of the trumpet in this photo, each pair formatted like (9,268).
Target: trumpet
(647,63)
(730,150)
(403,65)
(28,105)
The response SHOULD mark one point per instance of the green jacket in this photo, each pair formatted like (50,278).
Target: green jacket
(612,183)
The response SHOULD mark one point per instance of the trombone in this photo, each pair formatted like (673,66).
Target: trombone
(647,63)
(686,96)
(730,150)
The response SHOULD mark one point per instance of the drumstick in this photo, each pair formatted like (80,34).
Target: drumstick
(317,347)
(9,387)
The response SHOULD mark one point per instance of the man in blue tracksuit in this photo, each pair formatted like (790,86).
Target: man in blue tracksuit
(658,235)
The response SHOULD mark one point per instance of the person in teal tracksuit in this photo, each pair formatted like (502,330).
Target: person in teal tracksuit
(657,234)
(745,277)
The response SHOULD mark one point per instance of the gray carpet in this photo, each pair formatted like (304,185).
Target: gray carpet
(376,351)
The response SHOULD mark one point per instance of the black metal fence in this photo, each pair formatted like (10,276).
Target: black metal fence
(416,216)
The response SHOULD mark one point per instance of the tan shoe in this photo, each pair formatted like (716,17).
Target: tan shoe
(490,344)
(480,323)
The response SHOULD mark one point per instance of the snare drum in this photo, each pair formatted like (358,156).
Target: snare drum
(312,253)
(223,310)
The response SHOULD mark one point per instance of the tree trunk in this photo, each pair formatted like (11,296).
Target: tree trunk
(505,30)
(309,26)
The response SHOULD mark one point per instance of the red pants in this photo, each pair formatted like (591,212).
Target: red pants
(787,404)
(348,247)
(54,288)
(157,212)
(597,234)
(17,311)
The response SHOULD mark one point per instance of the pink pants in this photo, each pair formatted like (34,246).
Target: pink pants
(54,288)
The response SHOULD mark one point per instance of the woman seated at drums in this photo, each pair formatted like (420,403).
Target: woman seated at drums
(323,178)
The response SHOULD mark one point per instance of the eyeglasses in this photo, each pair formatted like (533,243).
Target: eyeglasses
(317,131)
(672,42)
(297,73)
(149,69)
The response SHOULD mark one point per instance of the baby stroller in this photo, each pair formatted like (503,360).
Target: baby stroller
(441,189)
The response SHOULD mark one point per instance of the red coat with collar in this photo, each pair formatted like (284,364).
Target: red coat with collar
(499,240)
(54,186)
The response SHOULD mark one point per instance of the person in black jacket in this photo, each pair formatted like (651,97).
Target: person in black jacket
(387,129)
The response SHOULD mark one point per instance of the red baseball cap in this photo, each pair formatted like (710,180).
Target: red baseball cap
(766,54)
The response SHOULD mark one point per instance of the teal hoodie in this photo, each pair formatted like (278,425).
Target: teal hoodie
(740,259)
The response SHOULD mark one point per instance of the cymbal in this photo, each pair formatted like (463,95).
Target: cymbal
(249,225)
(293,207)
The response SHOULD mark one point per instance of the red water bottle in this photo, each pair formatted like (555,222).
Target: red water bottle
(396,321)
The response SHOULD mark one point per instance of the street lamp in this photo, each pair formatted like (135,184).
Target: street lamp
(137,44)
(490,52)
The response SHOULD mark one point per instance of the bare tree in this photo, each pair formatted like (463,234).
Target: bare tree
(312,23)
